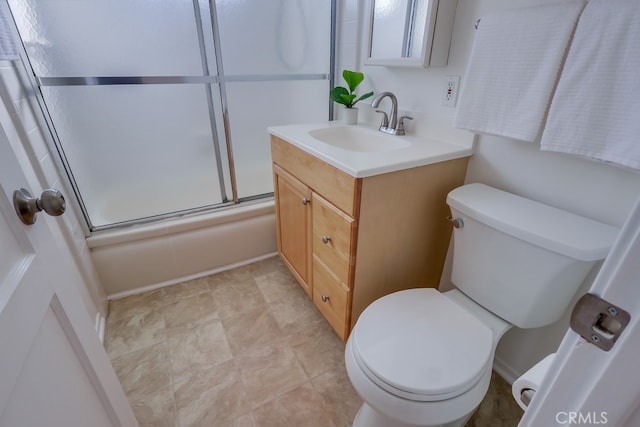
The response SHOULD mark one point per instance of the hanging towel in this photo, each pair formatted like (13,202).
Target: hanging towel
(514,65)
(595,111)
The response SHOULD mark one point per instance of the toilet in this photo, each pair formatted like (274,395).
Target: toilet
(421,357)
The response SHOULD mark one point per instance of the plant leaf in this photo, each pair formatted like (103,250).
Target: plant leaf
(336,95)
(353,79)
(348,99)
(365,96)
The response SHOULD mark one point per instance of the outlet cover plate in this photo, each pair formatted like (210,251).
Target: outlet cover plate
(450,91)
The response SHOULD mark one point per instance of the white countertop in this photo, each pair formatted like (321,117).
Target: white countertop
(419,151)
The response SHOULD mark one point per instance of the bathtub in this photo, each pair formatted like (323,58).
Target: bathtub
(145,257)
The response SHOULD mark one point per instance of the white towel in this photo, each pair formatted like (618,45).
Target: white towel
(514,65)
(595,111)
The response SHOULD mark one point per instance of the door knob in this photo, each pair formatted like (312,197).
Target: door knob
(51,201)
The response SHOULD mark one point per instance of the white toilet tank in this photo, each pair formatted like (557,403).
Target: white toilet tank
(520,259)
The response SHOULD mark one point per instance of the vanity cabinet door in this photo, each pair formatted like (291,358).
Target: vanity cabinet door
(293,211)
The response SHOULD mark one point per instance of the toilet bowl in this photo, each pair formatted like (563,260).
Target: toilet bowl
(420,357)
(433,373)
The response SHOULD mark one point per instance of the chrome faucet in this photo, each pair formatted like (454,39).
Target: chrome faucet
(390,124)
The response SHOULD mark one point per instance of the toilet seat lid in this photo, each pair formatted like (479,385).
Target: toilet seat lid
(421,343)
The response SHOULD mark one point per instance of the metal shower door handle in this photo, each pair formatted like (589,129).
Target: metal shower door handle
(51,201)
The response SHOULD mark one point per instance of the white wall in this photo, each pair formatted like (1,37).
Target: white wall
(18,112)
(595,190)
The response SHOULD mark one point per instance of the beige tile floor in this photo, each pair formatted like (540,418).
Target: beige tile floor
(245,347)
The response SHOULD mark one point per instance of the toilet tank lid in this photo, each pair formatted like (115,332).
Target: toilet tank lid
(551,228)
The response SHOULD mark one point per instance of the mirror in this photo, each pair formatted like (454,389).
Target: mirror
(414,33)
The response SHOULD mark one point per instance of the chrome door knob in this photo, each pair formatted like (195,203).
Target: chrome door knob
(305,201)
(51,201)
(326,239)
(325,298)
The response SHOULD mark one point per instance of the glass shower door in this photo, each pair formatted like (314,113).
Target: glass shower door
(129,92)
(162,107)
(276,58)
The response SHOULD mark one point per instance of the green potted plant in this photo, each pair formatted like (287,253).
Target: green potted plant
(347,96)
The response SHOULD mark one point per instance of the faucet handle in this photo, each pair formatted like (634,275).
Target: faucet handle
(385,119)
(400,126)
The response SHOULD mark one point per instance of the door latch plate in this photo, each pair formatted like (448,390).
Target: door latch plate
(598,321)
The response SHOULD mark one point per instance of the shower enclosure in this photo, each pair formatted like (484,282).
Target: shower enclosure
(160,108)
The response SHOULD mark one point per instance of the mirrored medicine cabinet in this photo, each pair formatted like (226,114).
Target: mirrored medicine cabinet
(410,33)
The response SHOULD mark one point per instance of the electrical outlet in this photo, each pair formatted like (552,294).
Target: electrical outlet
(450,92)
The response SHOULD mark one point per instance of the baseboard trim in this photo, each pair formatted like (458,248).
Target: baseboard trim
(505,370)
(198,275)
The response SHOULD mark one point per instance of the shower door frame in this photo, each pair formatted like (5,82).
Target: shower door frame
(45,122)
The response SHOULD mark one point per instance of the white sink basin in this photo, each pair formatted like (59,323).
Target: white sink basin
(362,151)
(352,138)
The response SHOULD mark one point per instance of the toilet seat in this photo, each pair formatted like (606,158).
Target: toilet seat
(420,345)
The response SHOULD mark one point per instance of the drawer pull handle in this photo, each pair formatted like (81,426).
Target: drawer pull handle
(325,298)
(326,239)
(305,201)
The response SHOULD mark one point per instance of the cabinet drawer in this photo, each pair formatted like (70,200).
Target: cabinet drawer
(331,297)
(333,237)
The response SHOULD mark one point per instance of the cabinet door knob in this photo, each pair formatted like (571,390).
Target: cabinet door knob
(326,239)
(305,201)
(325,298)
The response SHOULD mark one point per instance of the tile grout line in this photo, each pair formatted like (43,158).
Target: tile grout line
(169,356)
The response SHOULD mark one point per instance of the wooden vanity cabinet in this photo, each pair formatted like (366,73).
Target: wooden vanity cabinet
(350,241)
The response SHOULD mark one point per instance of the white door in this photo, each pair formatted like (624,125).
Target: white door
(53,369)
(589,386)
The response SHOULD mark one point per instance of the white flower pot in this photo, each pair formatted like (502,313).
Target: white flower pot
(350,116)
